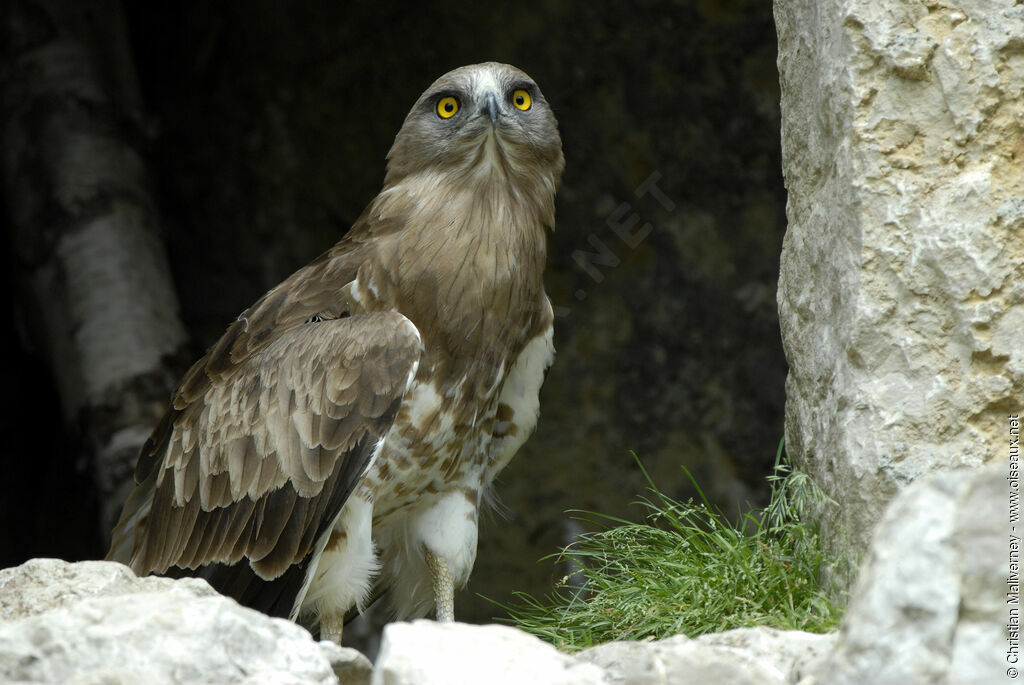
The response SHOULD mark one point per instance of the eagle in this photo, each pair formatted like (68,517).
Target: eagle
(336,443)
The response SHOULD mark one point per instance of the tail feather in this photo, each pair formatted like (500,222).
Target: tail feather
(273,597)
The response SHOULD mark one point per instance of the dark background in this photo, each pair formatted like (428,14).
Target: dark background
(268,124)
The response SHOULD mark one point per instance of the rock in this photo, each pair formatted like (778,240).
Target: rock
(789,654)
(40,585)
(674,660)
(901,292)
(95,622)
(747,655)
(426,653)
(930,603)
(351,667)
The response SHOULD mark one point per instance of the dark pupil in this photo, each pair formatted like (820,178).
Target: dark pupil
(448,106)
(519,100)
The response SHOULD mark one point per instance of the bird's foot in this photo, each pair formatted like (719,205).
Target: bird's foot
(331,628)
(444,588)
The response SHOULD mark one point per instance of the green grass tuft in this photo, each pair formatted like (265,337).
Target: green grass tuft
(687,569)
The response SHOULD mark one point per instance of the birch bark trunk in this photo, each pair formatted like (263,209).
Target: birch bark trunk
(95,290)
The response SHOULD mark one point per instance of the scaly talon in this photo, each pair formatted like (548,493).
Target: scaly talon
(444,588)
(331,628)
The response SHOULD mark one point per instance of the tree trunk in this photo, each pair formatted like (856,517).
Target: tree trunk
(94,288)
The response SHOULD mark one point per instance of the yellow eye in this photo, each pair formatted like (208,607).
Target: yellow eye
(521,99)
(447,107)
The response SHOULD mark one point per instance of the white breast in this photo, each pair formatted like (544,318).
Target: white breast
(521,393)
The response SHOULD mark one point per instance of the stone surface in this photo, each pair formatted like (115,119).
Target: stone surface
(789,655)
(95,622)
(427,653)
(39,585)
(758,656)
(349,664)
(930,604)
(901,294)
(424,652)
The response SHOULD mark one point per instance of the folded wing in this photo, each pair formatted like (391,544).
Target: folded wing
(259,451)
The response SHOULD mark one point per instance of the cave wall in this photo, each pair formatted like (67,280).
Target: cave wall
(901,295)
(267,127)
(272,131)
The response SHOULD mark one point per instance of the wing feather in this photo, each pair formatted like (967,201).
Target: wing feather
(182,525)
(286,540)
(184,555)
(212,532)
(262,448)
(277,512)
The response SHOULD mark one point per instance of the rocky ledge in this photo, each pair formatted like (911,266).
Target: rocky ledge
(930,606)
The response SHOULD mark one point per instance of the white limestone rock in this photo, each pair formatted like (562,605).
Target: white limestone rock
(675,660)
(758,656)
(348,663)
(94,622)
(901,293)
(790,655)
(427,653)
(930,603)
(930,606)
(39,585)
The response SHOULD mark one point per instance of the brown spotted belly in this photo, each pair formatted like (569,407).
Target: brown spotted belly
(433,447)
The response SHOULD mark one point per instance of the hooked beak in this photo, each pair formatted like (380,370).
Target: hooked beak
(491,105)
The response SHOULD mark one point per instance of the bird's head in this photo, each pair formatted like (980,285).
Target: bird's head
(478,120)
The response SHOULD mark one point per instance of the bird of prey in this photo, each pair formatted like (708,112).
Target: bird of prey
(336,442)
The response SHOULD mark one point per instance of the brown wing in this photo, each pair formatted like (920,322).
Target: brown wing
(266,438)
